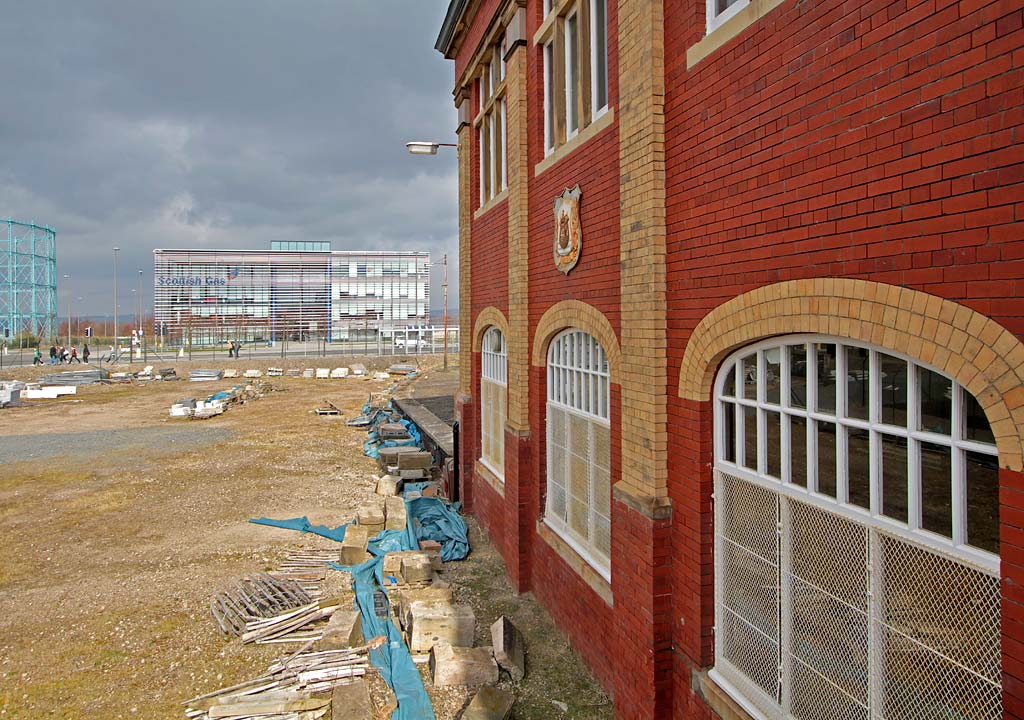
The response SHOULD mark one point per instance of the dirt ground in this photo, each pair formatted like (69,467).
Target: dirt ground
(119,524)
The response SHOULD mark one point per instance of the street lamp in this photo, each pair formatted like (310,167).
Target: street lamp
(420,147)
(68,277)
(115,300)
(140,303)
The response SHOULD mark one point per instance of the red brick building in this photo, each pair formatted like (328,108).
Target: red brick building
(742,390)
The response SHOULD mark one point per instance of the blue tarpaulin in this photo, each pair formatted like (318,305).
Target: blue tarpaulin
(302,525)
(392,659)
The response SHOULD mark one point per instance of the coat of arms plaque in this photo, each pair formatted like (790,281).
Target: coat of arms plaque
(568,233)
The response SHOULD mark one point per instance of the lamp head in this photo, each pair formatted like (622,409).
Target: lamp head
(421,148)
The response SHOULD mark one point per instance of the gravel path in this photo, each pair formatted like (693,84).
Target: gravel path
(15,448)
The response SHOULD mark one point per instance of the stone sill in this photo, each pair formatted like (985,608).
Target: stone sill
(581,138)
(489,205)
(490,477)
(732,27)
(575,561)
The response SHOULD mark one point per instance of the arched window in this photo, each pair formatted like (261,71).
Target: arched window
(856,536)
(578,503)
(493,394)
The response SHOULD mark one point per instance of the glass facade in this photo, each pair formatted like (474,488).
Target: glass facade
(212,296)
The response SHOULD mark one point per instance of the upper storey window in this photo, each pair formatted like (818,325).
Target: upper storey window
(574,37)
(491,123)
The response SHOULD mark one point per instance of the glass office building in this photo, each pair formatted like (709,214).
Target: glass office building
(297,291)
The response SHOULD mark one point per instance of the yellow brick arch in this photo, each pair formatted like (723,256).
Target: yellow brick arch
(577,314)
(489,316)
(976,351)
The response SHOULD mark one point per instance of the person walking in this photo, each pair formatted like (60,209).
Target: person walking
(86,353)
(37,358)
(53,354)
(74,356)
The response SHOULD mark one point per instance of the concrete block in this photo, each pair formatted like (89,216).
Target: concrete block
(509,648)
(490,703)
(352,701)
(343,630)
(395,514)
(407,595)
(414,474)
(308,372)
(323,373)
(353,547)
(388,485)
(371,516)
(411,461)
(417,568)
(469,666)
(430,622)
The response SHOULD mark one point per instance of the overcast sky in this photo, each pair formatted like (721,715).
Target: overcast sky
(224,124)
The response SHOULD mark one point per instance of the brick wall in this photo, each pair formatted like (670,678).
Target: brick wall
(881,142)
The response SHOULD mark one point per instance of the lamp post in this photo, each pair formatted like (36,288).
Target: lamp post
(115,300)
(140,303)
(421,147)
(68,277)
(445,311)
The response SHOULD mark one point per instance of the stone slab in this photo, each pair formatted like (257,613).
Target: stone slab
(509,648)
(490,703)
(430,622)
(395,514)
(343,630)
(468,666)
(352,701)
(370,515)
(353,547)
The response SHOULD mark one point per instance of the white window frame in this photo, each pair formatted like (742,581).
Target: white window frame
(579,384)
(746,692)
(549,99)
(595,80)
(493,372)
(491,114)
(572,74)
(716,21)
(958,445)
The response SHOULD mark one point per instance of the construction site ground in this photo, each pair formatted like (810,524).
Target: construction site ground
(119,524)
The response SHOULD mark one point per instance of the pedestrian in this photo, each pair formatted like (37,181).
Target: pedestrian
(65,355)
(53,354)
(86,353)
(231,348)
(74,356)
(238,347)
(110,357)
(37,358)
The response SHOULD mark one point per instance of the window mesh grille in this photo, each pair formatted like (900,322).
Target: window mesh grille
(822,617)
(493,400)
(579,446)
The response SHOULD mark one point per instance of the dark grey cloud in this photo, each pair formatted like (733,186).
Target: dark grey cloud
(224,123)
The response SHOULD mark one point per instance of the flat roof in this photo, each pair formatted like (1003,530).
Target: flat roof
(229,251)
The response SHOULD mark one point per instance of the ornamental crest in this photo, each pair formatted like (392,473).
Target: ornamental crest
(568,234)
